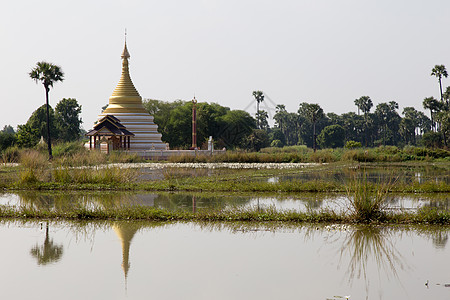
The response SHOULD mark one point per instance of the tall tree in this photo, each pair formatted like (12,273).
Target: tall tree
(314,113)
(443,118)
(439,71)
(332,136)
(259,97)
(447,98)
(409,123)
(38,121)
(434,106)
(389,121)
(8,129)
(47,74)
(67,119)
(261,117)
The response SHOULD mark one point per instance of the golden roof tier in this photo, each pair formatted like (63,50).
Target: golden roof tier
(125,98)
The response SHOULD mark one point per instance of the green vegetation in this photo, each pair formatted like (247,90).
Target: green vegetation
(74,168)
(229,128)
(65,124)
(367,202)
(80,169)
(422,216)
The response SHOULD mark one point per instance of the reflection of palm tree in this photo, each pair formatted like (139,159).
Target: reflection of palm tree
(48,252)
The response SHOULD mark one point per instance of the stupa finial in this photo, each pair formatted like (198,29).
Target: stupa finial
(125,53)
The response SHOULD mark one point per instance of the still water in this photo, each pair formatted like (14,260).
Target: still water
(131,260)
(198,201)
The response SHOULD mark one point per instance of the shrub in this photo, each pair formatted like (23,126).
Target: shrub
(432,139)
(68,149)
(276,144)
(331,136)
(352,145)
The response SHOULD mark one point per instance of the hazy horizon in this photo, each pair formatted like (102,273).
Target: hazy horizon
(326,52)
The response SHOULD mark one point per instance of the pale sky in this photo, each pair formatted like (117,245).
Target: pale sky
(328,52)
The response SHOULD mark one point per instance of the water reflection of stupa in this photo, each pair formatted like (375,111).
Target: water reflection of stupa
(125,232)
(127,112)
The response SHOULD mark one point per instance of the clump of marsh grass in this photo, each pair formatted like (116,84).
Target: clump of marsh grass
(10,155)
(94,175)
(34,165)
(367,202)
(82,158)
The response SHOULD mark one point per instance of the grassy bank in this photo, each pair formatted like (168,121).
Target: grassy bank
(75,154)
(422,216)
(107,181)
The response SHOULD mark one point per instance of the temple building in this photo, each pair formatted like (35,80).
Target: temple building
(125,124)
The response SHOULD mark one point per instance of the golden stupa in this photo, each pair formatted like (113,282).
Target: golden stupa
(126,105)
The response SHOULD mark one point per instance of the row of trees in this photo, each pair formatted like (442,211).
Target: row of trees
(64,125)
(229,128)
(237,129)
(383,126)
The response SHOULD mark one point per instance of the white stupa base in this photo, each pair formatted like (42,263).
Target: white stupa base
(146,135)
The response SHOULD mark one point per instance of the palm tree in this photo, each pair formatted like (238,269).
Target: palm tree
(433,105)
(439,71)
(447,98)
(315,113)
(47,74)
(364,103)
(259,97)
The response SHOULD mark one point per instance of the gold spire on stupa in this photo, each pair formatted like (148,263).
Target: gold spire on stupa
(125,98)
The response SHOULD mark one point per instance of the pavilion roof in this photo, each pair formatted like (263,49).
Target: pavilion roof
(109,125)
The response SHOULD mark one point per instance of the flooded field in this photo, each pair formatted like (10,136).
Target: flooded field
(376,173)
(140,260)
(217,201)
(132,260)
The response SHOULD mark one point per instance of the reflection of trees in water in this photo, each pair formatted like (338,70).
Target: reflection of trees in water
(437,233)
(183,201)
(47,252)
(172,201)
(46,200)
(375,173)
(440,240)
(65,200)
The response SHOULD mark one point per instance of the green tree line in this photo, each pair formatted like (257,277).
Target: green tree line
(229,128)
(65,126)
(371,126)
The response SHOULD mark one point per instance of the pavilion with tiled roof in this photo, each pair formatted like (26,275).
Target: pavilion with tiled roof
(110,130)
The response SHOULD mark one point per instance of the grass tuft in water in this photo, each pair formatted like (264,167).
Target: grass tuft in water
(367,202)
